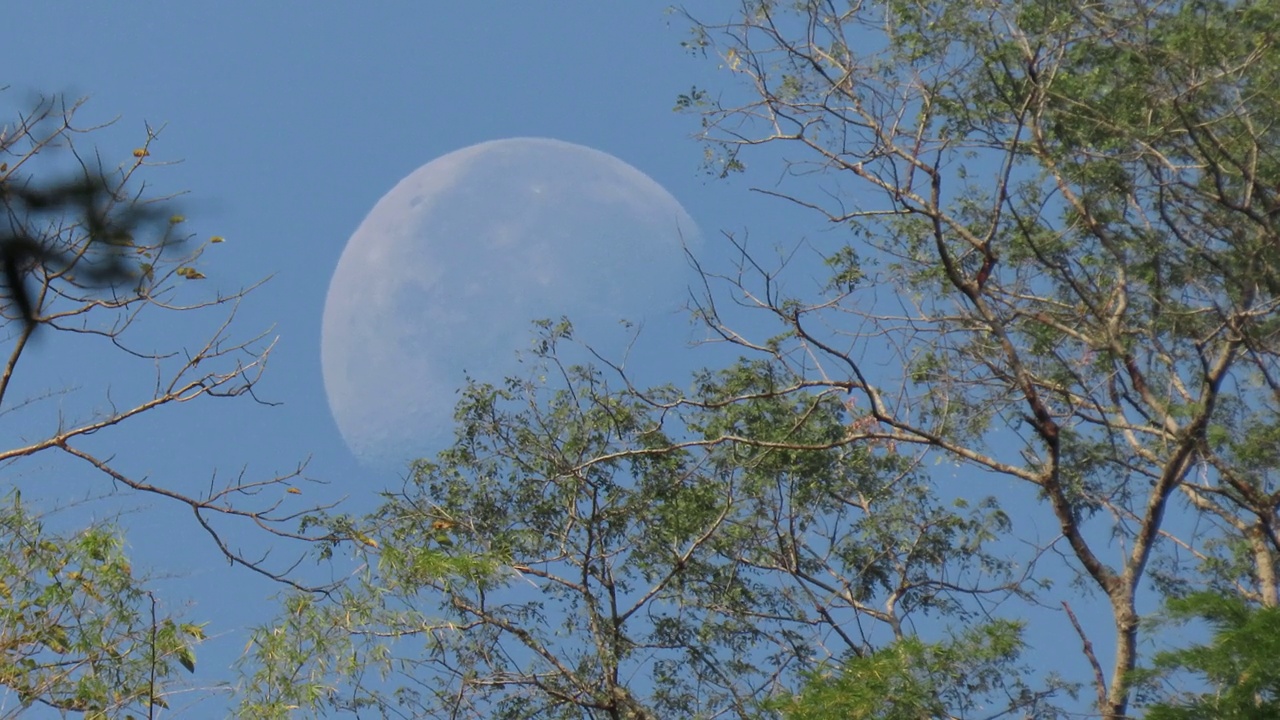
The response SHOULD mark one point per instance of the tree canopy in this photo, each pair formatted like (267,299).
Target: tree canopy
(1058,271)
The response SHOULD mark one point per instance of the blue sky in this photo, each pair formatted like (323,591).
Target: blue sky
(291,119)
(287,121)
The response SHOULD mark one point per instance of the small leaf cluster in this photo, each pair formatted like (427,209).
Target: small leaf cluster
(78,630)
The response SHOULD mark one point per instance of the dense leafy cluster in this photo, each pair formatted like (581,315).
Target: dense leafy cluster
(1234,676)
(78,632)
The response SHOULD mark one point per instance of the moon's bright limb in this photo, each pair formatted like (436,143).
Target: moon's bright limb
(444,276)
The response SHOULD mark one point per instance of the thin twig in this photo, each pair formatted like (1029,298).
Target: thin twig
(1098,678)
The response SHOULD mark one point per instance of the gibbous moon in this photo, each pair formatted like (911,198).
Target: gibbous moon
(444,277)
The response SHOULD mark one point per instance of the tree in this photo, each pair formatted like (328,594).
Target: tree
(1060,270)
(93,264)
(910,679)
(1075,211)
(78,631)
(1239,666)
(570,558)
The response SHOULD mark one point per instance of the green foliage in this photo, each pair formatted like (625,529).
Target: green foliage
(1238,667)
(911,679)
(78,631)
(291,665)
(589,546)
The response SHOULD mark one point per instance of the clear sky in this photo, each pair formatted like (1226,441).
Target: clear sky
(290,120)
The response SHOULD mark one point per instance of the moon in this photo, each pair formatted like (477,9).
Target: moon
(444,277)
